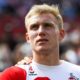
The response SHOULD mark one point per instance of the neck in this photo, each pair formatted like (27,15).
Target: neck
(50,59)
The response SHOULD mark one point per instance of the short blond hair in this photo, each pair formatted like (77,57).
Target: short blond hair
(44,8)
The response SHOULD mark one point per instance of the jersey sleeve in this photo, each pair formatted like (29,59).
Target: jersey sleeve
(13,73)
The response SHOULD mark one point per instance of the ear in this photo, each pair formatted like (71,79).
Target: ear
(27,38)
(61,34)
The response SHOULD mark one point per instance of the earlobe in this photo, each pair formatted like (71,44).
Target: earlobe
(27,38)
(62,34)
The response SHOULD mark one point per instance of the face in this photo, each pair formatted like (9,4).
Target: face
(43,33)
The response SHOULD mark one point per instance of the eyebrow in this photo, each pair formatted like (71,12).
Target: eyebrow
(48,21)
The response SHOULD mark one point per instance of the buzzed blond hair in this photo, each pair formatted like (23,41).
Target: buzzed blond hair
(44,8)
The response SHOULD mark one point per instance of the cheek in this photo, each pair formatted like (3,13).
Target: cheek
(56,32)
(55,35)
(32,35)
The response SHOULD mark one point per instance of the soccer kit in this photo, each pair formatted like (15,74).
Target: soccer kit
(35,71)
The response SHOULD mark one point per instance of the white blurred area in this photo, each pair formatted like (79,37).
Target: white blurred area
(71,42)
(26,49)
(20,51)
(5,60)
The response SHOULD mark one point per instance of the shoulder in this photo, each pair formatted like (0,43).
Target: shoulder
(71,66)
(13,73)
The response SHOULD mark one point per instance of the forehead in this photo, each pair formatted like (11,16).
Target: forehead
(41,18)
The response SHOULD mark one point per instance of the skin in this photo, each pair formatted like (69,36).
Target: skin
(44,36)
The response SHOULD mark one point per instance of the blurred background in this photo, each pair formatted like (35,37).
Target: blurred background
(13,46)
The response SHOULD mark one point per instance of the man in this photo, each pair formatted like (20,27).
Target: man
(45,31)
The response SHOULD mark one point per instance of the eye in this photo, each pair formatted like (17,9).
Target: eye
(34,26)
(47,25)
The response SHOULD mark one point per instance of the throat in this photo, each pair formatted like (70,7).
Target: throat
(47,59)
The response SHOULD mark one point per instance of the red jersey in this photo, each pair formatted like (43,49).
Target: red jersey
(13,73)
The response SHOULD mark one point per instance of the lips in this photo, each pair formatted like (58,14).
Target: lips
(42,40)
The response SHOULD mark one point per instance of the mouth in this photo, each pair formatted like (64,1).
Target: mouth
(42,40)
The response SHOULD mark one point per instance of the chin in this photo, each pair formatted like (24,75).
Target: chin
(42,48)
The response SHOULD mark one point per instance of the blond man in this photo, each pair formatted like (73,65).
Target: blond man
(45,31)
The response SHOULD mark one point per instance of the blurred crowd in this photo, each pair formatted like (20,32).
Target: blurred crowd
(13,45)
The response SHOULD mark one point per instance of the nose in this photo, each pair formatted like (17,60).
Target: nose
(41,31)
